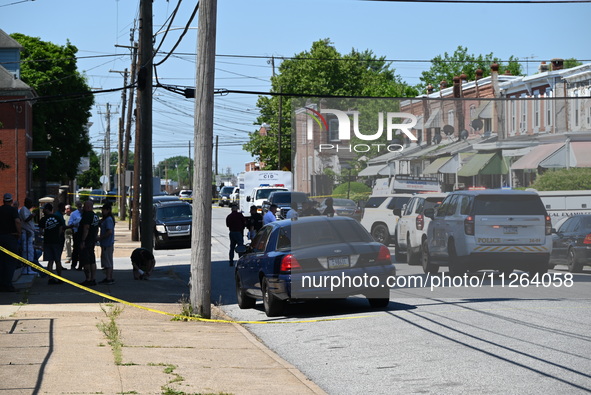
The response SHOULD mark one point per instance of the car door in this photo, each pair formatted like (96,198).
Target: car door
(437,230)
(562,239)
(405,221)
(250,264)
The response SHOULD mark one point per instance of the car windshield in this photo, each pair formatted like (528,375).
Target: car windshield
(282,198)
(180,211)
(227,190)
(508,205)
(432,202)
(343,203)
(264,193)
(304,235)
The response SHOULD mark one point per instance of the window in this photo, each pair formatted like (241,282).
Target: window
(442,209)
(333,130)
(508,205)
(450,117)
(409,207)
(465,205)
(374,202)
(397,202)
(259,243)
(453,205)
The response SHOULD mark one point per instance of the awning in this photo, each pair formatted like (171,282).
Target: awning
(433,121)
(485,110)
(372,170)
(535,156)
(572,154)
(434,166)
(456,162)
(488,163)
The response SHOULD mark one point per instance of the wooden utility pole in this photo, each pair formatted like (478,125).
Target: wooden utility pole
(203,137)
(145,92)
(120,162)
(123,206)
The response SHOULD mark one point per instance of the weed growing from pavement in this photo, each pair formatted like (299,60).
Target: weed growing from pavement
(24,298)
(111,330)
(187,310)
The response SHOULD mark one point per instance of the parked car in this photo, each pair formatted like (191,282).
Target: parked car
(186,194)
(165,198)
(411,228)
(97,196)
(488,229)
(283,200)
(343,208)
(284,252)
(235,196)
(224,195)
(172,224)
(571,244)
(378,215)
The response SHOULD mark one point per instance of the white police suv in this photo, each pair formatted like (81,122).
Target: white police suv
(488,229)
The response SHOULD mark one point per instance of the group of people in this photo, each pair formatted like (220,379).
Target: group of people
(237,222)
(77,231)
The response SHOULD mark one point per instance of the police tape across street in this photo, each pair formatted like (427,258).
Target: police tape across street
(442,280)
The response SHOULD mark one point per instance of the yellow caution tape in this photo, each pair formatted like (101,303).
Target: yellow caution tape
(180,316)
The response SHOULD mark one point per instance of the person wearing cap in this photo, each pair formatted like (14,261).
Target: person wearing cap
(28,234)
(88,228)
(236,223)
(53,227)
(73,223)
(10,233)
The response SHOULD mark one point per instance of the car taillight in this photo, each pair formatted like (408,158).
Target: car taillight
(289,263)
(384,254)
(548,225)
(587,239)
(469,225)
(420,222)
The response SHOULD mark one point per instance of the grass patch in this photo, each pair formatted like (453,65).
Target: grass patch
(24,298)
(187,310)
(111,330)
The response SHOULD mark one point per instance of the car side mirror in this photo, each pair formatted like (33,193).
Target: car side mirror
(429,212)
(240,250)
(248,198)
(397,212)
(554,230)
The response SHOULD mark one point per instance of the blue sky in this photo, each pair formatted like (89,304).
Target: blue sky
(266,28)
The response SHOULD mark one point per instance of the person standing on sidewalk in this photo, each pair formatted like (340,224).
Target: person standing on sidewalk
(27,235)
(270,216)
(68,233)
(107,242)
(236,222)
(74,224)
(53,227)
(88,228)
(10,233)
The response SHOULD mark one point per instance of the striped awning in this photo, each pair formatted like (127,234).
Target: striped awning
(433,167)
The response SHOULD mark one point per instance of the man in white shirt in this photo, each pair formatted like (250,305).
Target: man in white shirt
(293,211)
(73,223)
(270,215)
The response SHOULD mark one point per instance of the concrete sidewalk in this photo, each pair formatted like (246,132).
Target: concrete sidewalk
(52,341)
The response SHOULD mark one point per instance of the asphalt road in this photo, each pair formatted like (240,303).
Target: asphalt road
(489,339)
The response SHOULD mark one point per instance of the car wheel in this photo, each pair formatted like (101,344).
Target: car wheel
(244,301)
(428,267)
(456,267)
(411,257)
(571,261)
(380,234)
(156,243)
(273,305)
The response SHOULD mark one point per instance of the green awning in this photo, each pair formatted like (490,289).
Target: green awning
(489,163)
(434,166)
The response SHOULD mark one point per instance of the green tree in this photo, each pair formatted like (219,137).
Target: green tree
(177,168)
(60,120)
(446,66)
(320,71)
(574,179)
(354,190)
(571,62)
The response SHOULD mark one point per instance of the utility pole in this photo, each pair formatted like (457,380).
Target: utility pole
(217,140)
(128,128)
(203,137)
(120,163)
(145,92)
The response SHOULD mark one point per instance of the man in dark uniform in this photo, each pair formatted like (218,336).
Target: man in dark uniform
(89,226)
(10,233)
(236,222)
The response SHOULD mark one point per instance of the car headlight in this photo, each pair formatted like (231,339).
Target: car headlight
(160,229)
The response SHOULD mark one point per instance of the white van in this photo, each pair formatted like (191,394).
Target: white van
(563,204)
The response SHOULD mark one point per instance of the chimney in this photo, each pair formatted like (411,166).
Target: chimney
(494,78)
(543,67)
(479,74)
(507,72)
(457,86)
(443,85)
(557,64)
(464,78)
(429,89)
